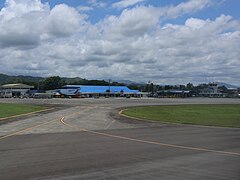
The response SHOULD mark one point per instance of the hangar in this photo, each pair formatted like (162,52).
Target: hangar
(98,91)
(14,90)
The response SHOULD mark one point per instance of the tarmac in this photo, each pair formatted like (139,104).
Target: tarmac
(88,139)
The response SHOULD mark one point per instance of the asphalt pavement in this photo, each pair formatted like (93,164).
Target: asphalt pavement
(87,139)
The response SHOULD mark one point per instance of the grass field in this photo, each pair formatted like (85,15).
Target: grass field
(211,115)
(7,110)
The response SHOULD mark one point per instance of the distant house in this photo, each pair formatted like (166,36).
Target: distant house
(232,93)
(14,90)
(174,93)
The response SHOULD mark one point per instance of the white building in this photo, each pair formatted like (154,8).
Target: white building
(14,90)
(211,91)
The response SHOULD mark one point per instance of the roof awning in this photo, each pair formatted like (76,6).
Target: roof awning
(16,86)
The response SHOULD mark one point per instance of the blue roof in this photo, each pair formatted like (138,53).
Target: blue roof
(73,89)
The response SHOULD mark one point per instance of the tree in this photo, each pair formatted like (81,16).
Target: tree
(133,86)
(53,82)
(190,86)
(182,87)
(168,87)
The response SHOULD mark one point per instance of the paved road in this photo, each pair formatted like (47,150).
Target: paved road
(84,140)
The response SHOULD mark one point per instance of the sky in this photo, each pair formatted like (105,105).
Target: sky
(162,41)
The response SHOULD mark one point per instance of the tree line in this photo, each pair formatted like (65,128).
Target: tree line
(56,82)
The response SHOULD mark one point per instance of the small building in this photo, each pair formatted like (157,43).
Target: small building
(14,90)
(211,91)
(98,91)
(174,93)
(232,93)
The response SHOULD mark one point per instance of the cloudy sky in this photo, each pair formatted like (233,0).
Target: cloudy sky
(164,41)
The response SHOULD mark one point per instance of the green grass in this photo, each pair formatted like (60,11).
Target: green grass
(211,115)
(7,110)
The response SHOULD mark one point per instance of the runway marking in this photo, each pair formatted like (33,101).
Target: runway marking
(29,128)
(121,114)
(26,114)
(151,142)
(61,120)
(35,126)
(113,121)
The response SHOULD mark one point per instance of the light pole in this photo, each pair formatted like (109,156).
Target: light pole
(148,88)
(38,86)
(109,87)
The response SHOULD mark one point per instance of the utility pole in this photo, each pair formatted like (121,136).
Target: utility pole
(38,86)
(148,88)
(109,88)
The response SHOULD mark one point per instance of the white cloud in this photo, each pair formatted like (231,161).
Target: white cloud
(37,40)
(143,19)
(84,8)
(97,3)
(18,8)
(195,23)
(24,23)
(64,20)
(19,23)
(126,3)
(133,22)
(187,7)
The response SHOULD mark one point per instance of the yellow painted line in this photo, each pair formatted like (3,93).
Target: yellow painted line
(62,121)
(32,127)
(69,125)
(148,120)
(141,119)
(26,114)
(152,142)
(152,121)
(172,123)
(121,114)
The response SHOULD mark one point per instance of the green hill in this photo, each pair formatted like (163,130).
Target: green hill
(6,79)
(40,82)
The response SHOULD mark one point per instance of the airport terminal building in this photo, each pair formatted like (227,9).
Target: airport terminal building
(98,91)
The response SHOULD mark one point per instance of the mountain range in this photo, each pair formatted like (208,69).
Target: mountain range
(227,85)
(5,79)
